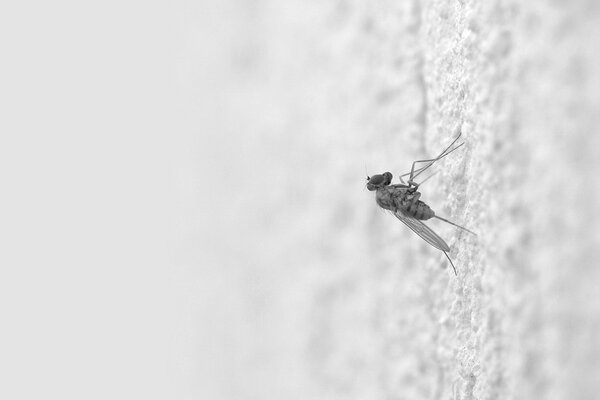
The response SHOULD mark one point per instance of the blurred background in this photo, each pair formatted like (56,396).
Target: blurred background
(184,212)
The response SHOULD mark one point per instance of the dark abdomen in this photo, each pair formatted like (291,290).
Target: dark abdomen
(419,210)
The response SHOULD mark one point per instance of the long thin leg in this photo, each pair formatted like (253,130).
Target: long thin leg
(426,179)
(418,170)
(451,263)
(430,163)
(414,173)
(456,225)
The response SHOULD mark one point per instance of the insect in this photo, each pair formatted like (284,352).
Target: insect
(403,200)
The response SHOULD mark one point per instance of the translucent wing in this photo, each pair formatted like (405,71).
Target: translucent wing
(422,230)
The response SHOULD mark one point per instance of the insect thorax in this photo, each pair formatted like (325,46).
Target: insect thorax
(390,197)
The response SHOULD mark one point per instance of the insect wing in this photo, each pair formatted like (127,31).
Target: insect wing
(422,230)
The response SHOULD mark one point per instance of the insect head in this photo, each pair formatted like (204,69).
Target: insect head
(378,181)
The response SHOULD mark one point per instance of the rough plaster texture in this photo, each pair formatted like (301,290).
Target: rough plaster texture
(184,214)
(311,291)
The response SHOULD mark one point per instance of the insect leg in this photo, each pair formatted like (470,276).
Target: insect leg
(458,226)
(426,179)
(416,172)
(451,263)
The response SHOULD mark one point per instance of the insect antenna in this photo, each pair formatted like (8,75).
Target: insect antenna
(451,263)
(458,226)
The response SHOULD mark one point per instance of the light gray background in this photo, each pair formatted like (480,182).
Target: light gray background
(184,214)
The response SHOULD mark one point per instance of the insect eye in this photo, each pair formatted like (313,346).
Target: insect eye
(387,177)
(376,179)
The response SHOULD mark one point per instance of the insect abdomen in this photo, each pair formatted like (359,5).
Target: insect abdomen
(420,210)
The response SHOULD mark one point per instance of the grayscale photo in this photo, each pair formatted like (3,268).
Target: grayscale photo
(290,199)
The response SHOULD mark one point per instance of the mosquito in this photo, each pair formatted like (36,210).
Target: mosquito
(403,200)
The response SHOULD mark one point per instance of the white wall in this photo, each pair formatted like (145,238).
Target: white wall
(184,213)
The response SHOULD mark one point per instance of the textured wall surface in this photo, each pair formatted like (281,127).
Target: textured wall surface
(335,299)
(184,212)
